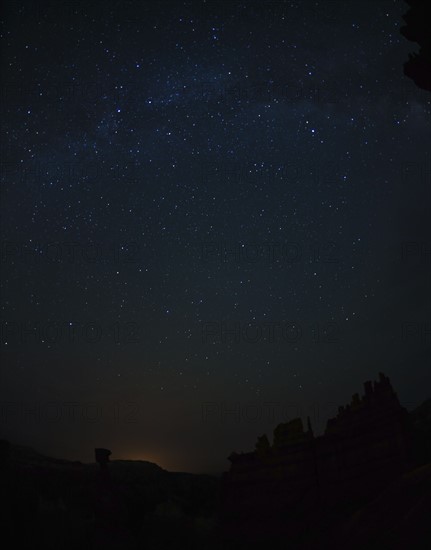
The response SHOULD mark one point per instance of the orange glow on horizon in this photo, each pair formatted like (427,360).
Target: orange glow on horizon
(142,456)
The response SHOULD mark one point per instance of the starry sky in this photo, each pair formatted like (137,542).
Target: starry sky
(214,218)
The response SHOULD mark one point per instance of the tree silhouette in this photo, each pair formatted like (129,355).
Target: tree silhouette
(417,29)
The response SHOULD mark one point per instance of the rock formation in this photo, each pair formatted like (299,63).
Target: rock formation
(285,487)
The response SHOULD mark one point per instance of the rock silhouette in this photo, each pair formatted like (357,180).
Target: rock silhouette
(102,457)
(288,489)
(112,504)
(364,483)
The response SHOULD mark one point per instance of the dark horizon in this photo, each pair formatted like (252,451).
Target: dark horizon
(120,456)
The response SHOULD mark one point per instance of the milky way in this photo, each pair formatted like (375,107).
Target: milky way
(207,208)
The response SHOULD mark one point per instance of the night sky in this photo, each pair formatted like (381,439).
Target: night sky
(214,218)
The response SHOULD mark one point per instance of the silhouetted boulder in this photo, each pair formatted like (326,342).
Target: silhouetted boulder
(102,457)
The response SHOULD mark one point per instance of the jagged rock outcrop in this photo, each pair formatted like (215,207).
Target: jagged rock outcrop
(285,488)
